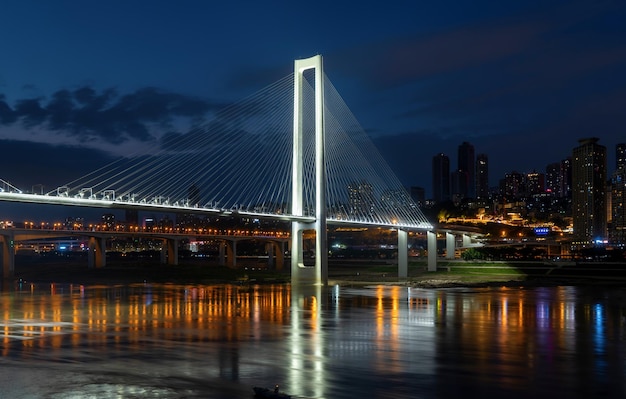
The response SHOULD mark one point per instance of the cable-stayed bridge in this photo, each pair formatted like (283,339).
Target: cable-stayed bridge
(292,151)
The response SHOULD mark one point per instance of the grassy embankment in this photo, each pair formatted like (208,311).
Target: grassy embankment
(449,273)
(459,273)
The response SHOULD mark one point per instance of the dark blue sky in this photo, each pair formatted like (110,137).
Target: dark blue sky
(521,80)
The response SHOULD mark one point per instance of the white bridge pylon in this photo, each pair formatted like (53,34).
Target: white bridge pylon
(318,274)
(299,273)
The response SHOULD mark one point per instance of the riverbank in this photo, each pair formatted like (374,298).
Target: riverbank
(344,273)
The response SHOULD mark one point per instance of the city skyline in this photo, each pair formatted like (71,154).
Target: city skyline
(521,81)
(455,165)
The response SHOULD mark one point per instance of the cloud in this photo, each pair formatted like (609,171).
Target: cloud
(87,114)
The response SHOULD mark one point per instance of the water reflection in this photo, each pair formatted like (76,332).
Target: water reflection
(392,342)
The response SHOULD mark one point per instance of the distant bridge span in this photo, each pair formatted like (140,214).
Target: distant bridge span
(169,251)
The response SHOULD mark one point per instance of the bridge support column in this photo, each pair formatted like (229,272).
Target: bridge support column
(467,240)
(222,254)
(403,254)
(269,248)
(169,252)
(231,254)
(431,245)
(280,255)
(450,245)
(97,255)
(299,272)
(8,257)
(275,255)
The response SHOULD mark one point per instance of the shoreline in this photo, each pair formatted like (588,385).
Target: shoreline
(350,275)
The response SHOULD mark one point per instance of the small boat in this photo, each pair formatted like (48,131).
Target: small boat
(261,392)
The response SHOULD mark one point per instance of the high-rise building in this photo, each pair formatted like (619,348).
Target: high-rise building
(458,185)
(617,232)
(482,176)
(441,177)
(617,228)
(360,198)
(554,179)
(588,192)
(512,186)
(467,167)
(566,178)
(620,156)
(534,183)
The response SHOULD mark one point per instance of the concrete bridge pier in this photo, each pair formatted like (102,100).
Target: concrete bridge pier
(275,255)
(301,274)
(231,254)
(450,245)
(280,255)
(467,240)
(431,245)
(169,251)
(8,257)
(269,249)
(228,253)
(222,254)
(97,255)
(403,254)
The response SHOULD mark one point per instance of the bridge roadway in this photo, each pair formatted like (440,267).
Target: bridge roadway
(173,207)
(96,238)
(276,245)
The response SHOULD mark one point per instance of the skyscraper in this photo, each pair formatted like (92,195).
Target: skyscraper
(534,183)
(620,156)
(512,186)
(482,176)
(617,230)
(588,192)
(554,179)
(566,177)
(441,177)
(360,198)
(458,185)
(467,167)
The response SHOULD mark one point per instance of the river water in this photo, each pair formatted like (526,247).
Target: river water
(217,341)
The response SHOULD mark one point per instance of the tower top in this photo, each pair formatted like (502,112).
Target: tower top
(588,140)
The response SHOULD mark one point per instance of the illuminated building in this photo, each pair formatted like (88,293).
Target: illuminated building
(554,179)
(620,156)
(360,198)
(588,192)
(559,178)
(617,229)
(512,186)
(535,183)
(566,180)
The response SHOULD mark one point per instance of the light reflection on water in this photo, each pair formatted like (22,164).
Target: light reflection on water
(217,341)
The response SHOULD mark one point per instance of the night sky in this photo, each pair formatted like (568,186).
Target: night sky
(83,81)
